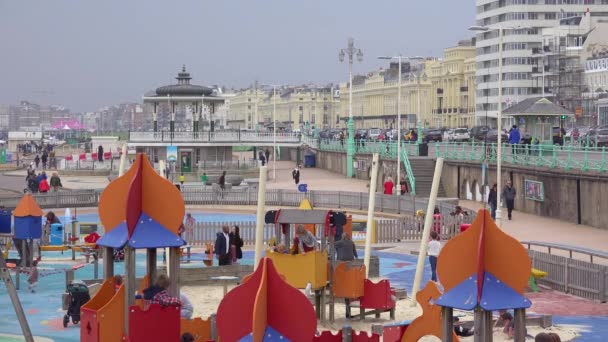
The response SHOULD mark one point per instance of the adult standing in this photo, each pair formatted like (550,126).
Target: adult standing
(295,174)
(262,158)
(222,181)
(45,158)
(493,200)
(403,186)
(190,223)
(388,186)
(222,247)
(37,160)
(346,249)
(508,193)
(514,138)
(100,153)
(236,244)
(267,155)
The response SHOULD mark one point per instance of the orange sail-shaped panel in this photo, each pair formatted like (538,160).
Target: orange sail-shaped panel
(266,308)
(142,209)
(483,266)
(27,207)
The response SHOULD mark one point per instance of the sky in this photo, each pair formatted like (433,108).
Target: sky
(90,54)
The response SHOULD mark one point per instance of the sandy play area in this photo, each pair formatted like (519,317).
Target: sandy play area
(206,299)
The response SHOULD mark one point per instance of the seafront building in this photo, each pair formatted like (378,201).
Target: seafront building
(446,87)
(297,107)
(523,22)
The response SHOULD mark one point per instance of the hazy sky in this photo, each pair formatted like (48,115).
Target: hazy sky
(87,54)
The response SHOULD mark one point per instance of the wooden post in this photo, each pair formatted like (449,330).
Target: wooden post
(478,325)
(213,320)
(95,265)
(370,212)
(129,283)
(151,264)
(447,324)
(12,292)
(520,325)
(347,333)
(488,326)
(108,262)
(173,271)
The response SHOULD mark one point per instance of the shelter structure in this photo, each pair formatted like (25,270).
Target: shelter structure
(28,227)
(202,100)
(537,116)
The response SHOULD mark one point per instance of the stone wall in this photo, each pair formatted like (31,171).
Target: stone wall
(570,196)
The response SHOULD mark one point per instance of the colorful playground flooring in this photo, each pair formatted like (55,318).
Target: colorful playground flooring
(44,312)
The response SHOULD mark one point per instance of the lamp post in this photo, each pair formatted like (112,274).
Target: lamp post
(351,52)
(398,180)
(498,116)
(274,129)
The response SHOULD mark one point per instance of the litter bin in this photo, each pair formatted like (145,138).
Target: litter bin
(56,237)
(423,149)
(310,160)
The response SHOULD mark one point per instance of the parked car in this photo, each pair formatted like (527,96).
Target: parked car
(433,134)
(411,135)
(598,137)
(458,134)
(491,137)
(373,133)
(479,133)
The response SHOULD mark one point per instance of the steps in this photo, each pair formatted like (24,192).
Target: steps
(423,169)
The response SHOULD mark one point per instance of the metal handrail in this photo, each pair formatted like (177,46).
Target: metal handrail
(408,171)
(570,249)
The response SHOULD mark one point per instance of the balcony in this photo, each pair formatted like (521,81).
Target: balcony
(464,89)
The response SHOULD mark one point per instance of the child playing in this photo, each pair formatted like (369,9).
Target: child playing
(182,179)
(509,324)
(433,252)
(32,280)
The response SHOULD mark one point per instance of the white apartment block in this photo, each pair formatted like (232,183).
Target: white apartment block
(523,22)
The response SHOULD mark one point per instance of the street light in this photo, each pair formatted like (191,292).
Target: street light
(398,180)
(274,130)
(499,114)
(350,52)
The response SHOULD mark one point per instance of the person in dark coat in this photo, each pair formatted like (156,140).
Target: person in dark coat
(37,160)
(267,155)
(236,244)
(509,193)
(295,174)
(45,158)
(262,158)
(222,247)
(100,153)
(493,200)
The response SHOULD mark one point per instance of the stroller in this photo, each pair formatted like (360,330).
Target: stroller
(76,296)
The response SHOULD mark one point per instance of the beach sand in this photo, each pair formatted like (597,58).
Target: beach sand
(206,299)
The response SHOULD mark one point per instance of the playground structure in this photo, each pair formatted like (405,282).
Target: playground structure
(140,210)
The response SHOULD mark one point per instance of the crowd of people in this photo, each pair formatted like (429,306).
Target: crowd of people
(40,183)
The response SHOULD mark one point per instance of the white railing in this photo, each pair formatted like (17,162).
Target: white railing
(215,137)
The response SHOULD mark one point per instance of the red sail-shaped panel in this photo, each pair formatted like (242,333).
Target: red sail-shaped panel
(113,200)
(484,248)
(161,200)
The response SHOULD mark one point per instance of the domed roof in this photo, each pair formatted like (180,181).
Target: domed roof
(183,87)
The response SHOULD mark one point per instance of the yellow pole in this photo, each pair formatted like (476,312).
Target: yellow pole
(428,222)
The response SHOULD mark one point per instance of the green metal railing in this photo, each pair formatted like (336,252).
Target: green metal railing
(570,157)
(408,171)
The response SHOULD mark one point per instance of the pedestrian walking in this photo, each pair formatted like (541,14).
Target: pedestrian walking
(222,247)
(182,179)
(37,160)
(44,159)
(295,174)
(262,158)
(509,193)
(493,200)
(100,153)
(267,155)
(403,185)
